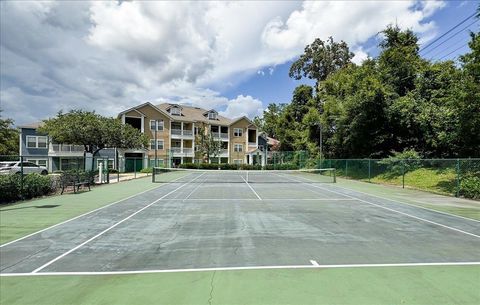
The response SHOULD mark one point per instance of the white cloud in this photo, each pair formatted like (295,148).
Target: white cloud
(243,106)
(360,55)
(107,56)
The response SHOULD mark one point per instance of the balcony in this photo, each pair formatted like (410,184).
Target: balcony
(223,152)
(220,135)
(179,152)
(252,144)
(66,150)
(182,134)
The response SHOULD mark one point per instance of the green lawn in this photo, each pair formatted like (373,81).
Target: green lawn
(17,220)
(427,179)
(434,285)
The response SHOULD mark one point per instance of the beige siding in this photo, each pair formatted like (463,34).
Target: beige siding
(238,140)
(153,114)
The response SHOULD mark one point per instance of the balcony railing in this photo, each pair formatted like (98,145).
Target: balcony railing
(179,132)
(223,152)
(252,143)
(221,135)
(67,148)
(185,151)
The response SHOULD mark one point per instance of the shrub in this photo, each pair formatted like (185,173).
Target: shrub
(282,166)
(402,162)
(34,185)
(147,170)
(470,187)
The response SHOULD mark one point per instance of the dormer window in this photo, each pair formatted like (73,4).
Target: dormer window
(175,110)
(212,115)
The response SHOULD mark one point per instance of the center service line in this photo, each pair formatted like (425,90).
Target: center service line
(259,198)
(108,229)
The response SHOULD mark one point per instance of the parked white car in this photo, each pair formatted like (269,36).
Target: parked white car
(14,167)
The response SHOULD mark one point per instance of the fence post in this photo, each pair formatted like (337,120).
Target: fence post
(403,173)
(135,168)
(457,169)
(369,169)
(21,176)
(346,167)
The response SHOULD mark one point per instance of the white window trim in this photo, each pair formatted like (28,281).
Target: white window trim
(212,115)
(36,161)
(175,111)
(37,141)
(152,141)
(237,147)
(158,144)
(238,131)
(159,124)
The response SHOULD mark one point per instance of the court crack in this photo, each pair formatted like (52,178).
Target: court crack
(211,288)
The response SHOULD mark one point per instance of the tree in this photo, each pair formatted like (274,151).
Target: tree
(9,136)
(208,146)
(93,131)
(320,59)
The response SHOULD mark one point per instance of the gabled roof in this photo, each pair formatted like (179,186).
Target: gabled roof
(195,114)
(241,118)
(33,125)
(142,105)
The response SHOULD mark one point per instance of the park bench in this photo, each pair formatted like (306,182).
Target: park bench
(75,180)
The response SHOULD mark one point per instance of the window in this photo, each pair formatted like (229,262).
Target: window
(160,144)
(196,130)
(110,163)
(42,142)
(238,148)
(237,161)
(38,162)
(31,142)
(212,115)
(237,132)
(159,124)
(36,142)
(197,147)
(175,111)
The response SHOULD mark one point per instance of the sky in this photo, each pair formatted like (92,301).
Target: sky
(230,56)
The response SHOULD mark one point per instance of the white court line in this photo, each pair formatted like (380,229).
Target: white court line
(264,199)
(76,217)
(259,198)
(311,266)
(392,210)
(410,204)
(107,229)
(186,198)
(314,263)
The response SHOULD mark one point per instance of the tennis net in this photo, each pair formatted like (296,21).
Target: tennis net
(179,175)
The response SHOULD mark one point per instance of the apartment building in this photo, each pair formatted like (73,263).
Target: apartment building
(39,149)
(174,129)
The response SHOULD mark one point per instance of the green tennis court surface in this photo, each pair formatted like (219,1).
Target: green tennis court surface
(259,242)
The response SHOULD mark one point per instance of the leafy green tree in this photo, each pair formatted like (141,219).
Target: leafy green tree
(93,131)
(399,60)
(208,146)
(9,136)
(320,59)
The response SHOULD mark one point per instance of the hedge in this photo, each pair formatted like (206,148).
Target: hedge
(34,185)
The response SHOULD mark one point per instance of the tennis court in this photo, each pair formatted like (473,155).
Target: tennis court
(196,222)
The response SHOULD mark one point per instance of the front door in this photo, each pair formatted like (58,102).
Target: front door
(133,162)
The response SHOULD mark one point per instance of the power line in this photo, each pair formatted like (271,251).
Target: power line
(464,45)
(438,45)
(443,35)
(447,49)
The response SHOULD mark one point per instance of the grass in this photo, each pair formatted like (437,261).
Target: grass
(427,179)
(380,285)
(17,220)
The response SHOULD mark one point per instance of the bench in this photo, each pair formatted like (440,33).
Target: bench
(75,181)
